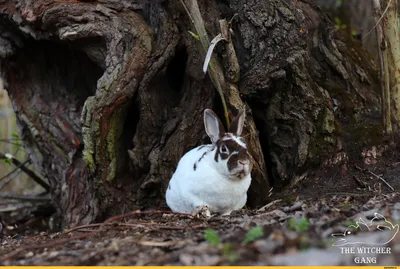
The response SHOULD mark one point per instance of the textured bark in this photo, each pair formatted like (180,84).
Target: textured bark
(110,94)
(392,59)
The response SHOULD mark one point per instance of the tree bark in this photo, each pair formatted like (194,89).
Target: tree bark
(110,94)
(392,59)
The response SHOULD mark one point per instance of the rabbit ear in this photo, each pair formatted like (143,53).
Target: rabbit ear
(236,127)
(213,125)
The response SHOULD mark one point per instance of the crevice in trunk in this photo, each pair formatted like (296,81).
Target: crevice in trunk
(175,72)
(49,84)
(263,134)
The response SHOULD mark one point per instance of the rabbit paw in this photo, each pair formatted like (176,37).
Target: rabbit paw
(227,213)
(202,211)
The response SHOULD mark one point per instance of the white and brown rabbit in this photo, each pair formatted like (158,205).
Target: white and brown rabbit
(214,176)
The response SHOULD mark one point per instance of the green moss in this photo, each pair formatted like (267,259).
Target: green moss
(89,160)
(113,146)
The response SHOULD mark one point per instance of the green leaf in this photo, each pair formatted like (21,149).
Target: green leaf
(253,235)
(212,237)
(8,160)
(228,252)
(15,135)
(301,225)
(194,35)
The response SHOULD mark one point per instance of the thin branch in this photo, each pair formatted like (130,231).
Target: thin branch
(12,143)
(381,178)
(10,178)
(29,198)
(83,227)
(14,253)
(27,171)
(375,175)
(138,212)
(13,171)
(9,139)
(46,245)
(264,208)
(14,207)
(376,24)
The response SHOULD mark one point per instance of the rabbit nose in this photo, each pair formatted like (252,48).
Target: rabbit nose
(243,162)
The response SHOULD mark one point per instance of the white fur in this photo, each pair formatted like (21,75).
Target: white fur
(200,180)
(209,185)
(236,139)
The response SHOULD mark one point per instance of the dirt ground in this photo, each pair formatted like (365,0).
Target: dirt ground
(295,228)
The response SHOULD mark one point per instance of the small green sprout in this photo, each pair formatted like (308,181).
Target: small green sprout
(194,35)
(212,237)
(253,235)
(228,252)
(301,225)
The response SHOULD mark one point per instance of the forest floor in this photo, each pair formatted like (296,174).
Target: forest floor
(295,228)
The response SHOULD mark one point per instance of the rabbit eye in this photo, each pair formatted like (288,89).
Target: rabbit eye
(223,149)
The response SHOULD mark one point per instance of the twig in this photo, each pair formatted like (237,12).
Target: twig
(29,198)
(83,227)
(10,178)
(297,206)
(358,181)
(196,227)
(12,143)
(161,244)
(376,24)
(381,178)
(138,212)
(172,228)
(26,170)
(15,207)
(269,205)
(46,245)
(9,139)
(86,235)
(344,194)
(375,175)
(13,171)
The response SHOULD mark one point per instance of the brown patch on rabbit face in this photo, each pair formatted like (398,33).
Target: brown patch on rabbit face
(233,149)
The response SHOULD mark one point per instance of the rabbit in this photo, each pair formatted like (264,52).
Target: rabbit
(214,176)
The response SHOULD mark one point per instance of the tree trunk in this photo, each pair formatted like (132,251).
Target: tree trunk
(392,59)
(110,94)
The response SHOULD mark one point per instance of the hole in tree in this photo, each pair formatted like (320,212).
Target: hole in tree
(261,126)
(175,72)
(131,121)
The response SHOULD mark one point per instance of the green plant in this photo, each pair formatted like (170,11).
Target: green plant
(228,252)
(212,237)
(252,235)
(339,24)
(300,225)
